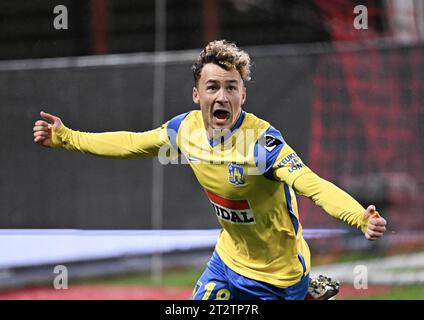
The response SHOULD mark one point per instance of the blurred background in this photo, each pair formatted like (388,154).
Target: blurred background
(342,80)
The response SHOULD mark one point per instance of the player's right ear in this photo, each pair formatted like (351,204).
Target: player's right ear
(196,97)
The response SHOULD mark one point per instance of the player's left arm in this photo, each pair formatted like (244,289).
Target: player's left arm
(339,204)
(290,169)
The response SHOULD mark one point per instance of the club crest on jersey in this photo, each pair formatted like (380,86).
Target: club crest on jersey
(235,174)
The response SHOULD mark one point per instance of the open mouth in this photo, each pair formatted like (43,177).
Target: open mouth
(221,114)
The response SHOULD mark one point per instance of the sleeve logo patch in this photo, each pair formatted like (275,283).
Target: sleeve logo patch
(271,143)
(292,162)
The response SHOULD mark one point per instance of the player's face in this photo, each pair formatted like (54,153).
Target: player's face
(220,94)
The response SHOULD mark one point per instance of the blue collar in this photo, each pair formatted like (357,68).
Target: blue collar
(221,139)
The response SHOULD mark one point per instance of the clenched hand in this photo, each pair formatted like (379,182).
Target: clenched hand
(43,128)
(376,225)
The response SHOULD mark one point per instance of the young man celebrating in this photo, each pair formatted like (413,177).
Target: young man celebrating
(249,173)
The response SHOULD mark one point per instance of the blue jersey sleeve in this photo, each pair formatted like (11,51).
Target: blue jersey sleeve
(266,151)
(172,128)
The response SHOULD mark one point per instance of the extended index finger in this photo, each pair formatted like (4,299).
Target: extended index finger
(47,116)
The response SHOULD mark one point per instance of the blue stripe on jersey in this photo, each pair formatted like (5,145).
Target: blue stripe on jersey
(290,208)
(216,141)
(173,126)
(262,154)
(302,261)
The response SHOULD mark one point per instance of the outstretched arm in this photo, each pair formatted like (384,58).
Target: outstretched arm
(341,205)
(51,132)
(290,169)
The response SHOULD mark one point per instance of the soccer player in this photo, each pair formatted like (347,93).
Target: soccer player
(249,173)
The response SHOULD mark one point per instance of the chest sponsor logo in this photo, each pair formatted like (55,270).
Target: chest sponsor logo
(236,174)
(232,211)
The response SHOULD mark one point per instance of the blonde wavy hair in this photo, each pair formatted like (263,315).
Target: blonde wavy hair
(224,54)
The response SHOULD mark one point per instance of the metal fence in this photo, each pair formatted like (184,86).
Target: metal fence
(350,111)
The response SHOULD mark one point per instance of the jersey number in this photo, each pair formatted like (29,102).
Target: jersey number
(223,294)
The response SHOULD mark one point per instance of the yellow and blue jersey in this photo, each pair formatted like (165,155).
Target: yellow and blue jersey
(251,177)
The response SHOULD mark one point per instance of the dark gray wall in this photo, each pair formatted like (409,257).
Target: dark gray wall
(315,100)
(27,26)
(44,188)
